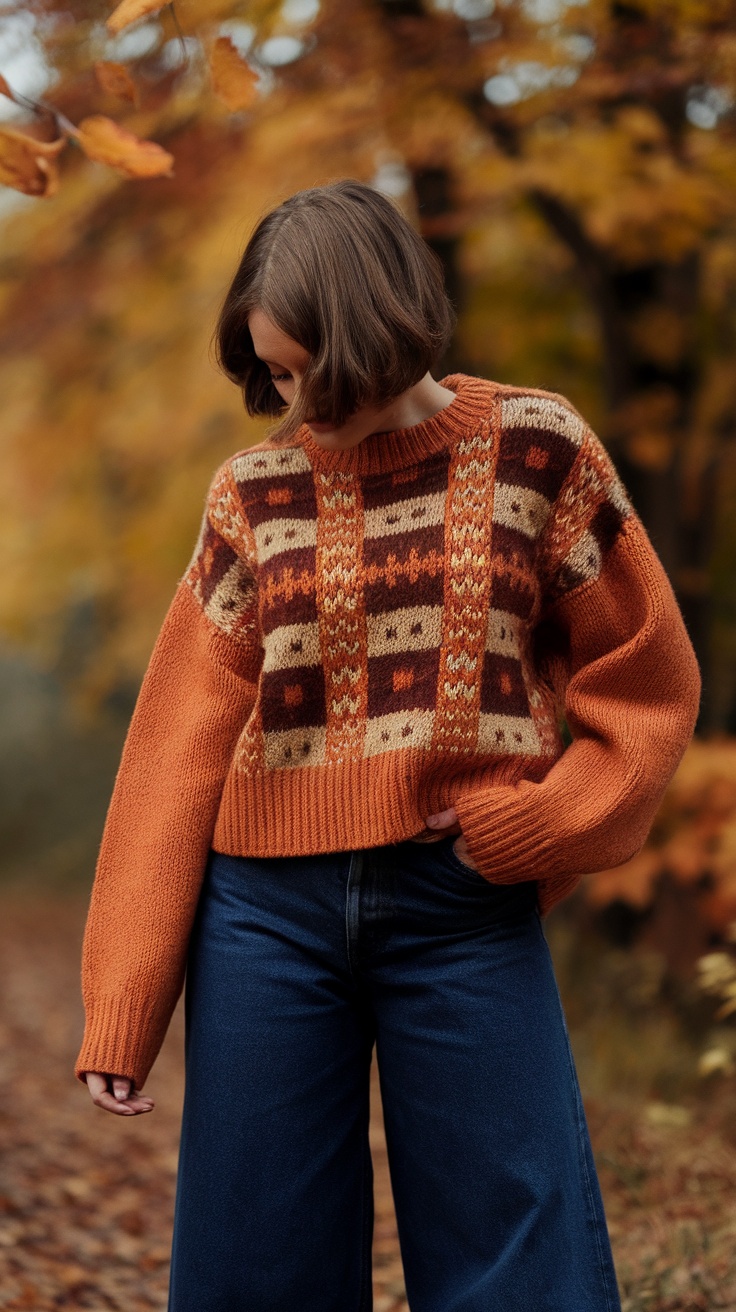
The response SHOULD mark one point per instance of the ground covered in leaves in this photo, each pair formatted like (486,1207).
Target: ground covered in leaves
(86,1199)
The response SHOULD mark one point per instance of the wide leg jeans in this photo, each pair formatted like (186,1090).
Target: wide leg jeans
(297,966)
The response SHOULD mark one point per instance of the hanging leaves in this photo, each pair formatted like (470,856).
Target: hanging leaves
(27,164)
(115,79)
(129,11)
(233,81)
(107,142)
(5,89)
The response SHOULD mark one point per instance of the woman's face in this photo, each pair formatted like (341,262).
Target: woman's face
(287,361)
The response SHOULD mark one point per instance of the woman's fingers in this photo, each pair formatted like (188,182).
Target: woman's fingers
(447,823)
(106,1090)
(444,820)
(438,827)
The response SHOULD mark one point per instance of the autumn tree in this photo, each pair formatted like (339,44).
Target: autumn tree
(610,124)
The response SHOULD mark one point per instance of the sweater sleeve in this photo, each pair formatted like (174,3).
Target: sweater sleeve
(631,693)
(196,695)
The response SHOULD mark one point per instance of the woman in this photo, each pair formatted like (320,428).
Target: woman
(345,804)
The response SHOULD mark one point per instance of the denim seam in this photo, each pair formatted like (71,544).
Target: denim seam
(612,1306)
(351,893)
(591,1200)
(365,1293)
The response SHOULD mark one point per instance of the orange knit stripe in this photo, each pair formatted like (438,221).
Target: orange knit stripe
(341,608)
(288,586)
(413,568)
(250,754)
(468,565)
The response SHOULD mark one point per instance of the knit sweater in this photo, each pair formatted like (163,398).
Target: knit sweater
(366,637)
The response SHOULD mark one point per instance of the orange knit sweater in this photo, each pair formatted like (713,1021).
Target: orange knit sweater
(364,638)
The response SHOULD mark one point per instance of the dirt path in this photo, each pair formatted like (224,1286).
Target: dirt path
(86,1200)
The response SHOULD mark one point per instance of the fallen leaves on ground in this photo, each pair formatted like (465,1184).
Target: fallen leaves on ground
(86,1199)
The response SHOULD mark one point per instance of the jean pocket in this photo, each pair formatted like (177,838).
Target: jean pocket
(448,849)
(522,893)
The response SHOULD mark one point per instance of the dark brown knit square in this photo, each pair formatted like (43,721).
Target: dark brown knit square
(284,496)
(502,691)
(402,681)
(536,458)
(292,697)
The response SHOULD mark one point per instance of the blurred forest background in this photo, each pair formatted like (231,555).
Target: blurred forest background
(573,163)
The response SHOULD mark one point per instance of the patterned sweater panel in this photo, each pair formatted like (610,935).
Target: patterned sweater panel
(222,576)
(399,608)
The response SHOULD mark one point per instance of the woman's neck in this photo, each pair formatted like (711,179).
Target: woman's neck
(425,399)
(417,404)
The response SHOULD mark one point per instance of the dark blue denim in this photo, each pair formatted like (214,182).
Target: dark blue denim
(297,966)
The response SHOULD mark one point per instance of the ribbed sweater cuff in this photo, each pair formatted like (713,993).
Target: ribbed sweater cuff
(508,839)
(122,1037)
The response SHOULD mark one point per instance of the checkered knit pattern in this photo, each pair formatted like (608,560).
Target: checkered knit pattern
(366,637)
(397,606)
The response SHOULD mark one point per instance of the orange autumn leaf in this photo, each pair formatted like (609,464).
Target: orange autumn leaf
(115,78)
(233,81)
(27,164)
(5,89)
(104,140)
(129,11)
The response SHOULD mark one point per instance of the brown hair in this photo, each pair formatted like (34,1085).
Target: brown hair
(341,271)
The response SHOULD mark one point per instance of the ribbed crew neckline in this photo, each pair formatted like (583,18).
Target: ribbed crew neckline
(399,448)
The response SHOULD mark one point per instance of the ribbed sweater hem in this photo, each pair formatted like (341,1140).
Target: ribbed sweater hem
(355,804)
(387,799)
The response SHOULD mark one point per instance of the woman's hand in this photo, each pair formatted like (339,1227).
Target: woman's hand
(443,824)
(115,1093)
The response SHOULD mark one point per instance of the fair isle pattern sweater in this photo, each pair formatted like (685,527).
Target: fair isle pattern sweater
(363,638)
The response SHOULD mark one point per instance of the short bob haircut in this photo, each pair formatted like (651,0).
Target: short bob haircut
(341,271)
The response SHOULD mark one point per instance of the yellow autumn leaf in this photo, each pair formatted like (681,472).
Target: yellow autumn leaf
(715,1059)
(129,11)
(232,79)
(29,165)
(115,78)
(104,140)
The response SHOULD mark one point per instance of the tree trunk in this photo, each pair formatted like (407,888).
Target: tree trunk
(650,393)
(435,205)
